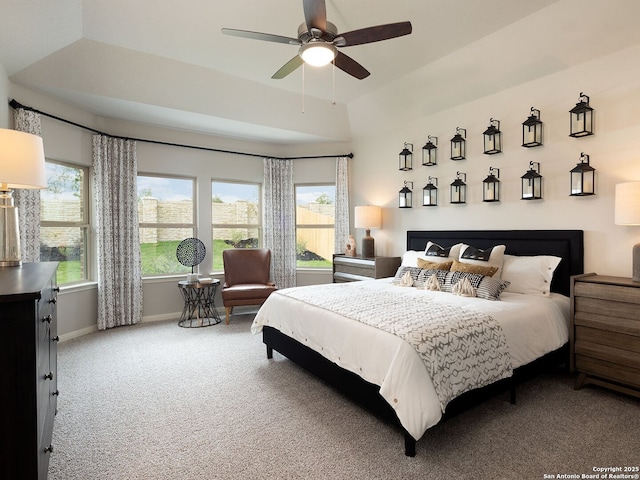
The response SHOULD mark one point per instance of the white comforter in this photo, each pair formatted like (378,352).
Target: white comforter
(532,324)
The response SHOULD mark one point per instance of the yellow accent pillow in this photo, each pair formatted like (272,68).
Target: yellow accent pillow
(472,268)
(426,265)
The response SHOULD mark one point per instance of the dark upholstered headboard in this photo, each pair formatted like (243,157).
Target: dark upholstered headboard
(567,244)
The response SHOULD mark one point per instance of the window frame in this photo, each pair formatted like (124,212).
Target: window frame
(249,226)
(85,224)
(313,226)
(193,225)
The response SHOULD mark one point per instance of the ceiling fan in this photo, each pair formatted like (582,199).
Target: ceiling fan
(318,40)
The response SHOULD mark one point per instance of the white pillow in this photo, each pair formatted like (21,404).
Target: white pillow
(495,258)
(454,252)
(410,258)
(531,275)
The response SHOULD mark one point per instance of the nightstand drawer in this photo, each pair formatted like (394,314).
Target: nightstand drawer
(356,268)
(610,338)
(611,371)
(613,293)
(607,308)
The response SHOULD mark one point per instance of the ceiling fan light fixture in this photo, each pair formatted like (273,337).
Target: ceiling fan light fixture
(318,53)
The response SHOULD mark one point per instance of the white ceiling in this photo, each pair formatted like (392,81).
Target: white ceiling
(163,62)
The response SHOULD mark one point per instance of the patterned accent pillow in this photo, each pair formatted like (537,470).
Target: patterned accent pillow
(473,253)
(488,288)
(413,271)
(487,270)
(425,274)
(426,265)
(493,257)
(436,253)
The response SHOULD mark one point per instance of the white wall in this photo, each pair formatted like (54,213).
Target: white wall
(613,85)
(4,95)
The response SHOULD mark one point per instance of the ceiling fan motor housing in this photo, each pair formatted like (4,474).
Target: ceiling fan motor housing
(304,35)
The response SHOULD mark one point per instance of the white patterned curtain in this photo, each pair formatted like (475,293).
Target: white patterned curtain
(115,198)
(342,205)
(280,220)
(28,200)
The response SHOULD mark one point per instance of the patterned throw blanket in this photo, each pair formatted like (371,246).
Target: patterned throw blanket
(462,349)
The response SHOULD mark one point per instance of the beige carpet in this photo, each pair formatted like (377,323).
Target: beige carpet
(155,401)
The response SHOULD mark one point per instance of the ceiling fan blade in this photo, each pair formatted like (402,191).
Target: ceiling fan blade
(268,37)
(288,67)
(350,66)
(315,14)
(376,34)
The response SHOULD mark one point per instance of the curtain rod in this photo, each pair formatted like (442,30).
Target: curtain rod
(16,105)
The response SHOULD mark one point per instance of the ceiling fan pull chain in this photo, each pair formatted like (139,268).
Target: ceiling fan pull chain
(333,74)
(303,88)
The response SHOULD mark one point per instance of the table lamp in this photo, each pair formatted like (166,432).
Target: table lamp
(368,217)
(21,166)
(628,213)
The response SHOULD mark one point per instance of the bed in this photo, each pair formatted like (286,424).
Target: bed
(349,345)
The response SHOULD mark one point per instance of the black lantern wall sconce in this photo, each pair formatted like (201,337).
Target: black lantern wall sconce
(458,145)
(405,199)
(492,138)
(406,157)
(491,186)
(459,189)
(532,183)
(532,130)
(583,178)
(429,152)
(430,193)
(581,118)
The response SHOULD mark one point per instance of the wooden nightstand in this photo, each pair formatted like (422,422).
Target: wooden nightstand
(605,332)
(351,269)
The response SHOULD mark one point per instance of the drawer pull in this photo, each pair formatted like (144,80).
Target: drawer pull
(56,338)
(56,289)
(54,300)
(56,393)
(49,376)
(48,318)
(49,449)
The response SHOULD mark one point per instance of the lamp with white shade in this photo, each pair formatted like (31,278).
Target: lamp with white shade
(368,217)
(21,166)
(628,213)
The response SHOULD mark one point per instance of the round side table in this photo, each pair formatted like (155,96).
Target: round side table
(199,306)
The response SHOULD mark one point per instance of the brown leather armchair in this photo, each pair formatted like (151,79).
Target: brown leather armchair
(246,277)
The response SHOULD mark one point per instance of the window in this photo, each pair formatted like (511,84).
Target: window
(315,224)
(64,221)
(166,213)
(236,217)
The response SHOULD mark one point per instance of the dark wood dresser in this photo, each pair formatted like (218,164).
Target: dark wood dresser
(28,375)
(351,269)
(605,332)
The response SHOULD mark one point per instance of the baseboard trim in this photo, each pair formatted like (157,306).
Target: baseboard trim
(78,333)
(161,317)
(149,318)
